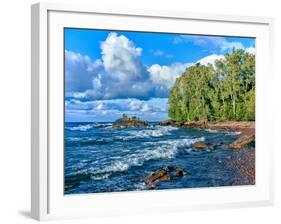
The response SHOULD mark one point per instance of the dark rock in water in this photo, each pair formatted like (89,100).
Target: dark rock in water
(164,174)
(157,175)
(164,178)
(179,172)
(242,141)
(128,122)
(166,123)
(200,145)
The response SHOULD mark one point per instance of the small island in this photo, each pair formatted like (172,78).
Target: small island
(129,122)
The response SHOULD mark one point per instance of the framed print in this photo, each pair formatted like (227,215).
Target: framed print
(148,111)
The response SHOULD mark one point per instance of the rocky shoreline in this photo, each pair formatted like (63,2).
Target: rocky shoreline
(243,164)
(245,128)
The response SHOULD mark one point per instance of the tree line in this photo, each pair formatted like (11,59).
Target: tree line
(223,91)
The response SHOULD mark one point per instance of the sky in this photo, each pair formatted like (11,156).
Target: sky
(109,73)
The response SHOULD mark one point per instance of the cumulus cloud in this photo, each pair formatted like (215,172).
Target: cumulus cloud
(80,71)
(121,58)
(165,76)
(210,59)
(120,73)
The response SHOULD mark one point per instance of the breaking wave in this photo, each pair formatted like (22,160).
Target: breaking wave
(165,150)
(87,127)
(158,131)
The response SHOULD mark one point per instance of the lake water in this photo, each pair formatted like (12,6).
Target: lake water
(99,158)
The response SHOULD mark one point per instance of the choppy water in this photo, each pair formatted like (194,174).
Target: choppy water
(99,158)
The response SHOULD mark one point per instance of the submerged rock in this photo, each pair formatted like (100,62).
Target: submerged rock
(179,172)
(200,145)
(128,122)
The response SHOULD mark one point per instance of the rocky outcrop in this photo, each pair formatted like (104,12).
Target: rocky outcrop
(246,137)
(158,175)
(165,174)
(166,122)
(200,145)
(128,122)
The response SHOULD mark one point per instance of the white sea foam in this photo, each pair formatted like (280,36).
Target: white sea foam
(212,130)
(85,127)
(100,177)
(158,131)
(140,186)
(165,150)
(233,133)
(226,132)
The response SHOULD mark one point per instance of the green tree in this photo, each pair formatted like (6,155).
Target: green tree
(225,91)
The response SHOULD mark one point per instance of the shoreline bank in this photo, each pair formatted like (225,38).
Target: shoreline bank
(246,129)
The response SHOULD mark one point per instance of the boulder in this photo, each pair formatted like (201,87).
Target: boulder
(179,172)
(165,174)
(166,122)
(242,141)
(157,176)
(200,145)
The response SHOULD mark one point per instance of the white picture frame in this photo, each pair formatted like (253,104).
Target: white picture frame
(47,199)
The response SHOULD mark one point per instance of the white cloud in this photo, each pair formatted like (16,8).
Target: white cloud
(165,76)
(100,106)
(135,104)
(210,59)
(210,42)
(121,58)
(251,50)
(145,108)
(120,73)
(80,70)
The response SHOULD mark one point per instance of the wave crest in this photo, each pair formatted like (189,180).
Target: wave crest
(158,131)
(86,127)
(166,150)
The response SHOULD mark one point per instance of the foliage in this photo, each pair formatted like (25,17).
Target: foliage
(133,118)
(223,91)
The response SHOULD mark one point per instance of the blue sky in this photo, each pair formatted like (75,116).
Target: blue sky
(108,73)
